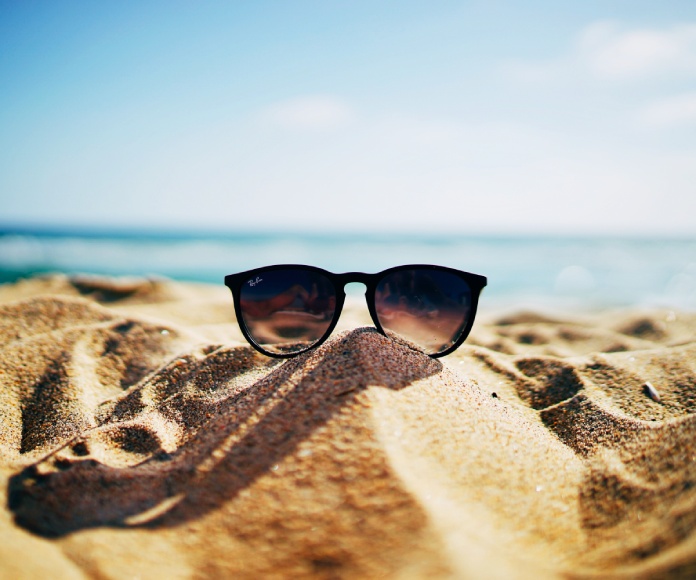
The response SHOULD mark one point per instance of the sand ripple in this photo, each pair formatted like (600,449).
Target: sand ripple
(132,441)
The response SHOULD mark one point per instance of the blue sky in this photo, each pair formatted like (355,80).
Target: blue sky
(485,116)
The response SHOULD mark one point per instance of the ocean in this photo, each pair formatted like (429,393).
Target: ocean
(549,272)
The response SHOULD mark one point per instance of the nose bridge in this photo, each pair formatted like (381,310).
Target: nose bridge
(355,277)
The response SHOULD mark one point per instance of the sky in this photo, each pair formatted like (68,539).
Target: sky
(467,117)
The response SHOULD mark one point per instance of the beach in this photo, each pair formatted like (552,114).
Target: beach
(141,436)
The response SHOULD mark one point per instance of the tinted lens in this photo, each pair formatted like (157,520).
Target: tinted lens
(425,306)
(287,311)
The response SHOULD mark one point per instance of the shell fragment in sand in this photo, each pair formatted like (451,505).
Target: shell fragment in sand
(651,391)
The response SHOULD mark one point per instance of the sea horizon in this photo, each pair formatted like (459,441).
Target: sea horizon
(544,270)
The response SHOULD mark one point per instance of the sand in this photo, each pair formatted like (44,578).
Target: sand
(140,437)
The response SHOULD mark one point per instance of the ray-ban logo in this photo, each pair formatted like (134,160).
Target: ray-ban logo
(253,283)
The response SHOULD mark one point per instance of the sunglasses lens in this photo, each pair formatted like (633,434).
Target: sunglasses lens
(427,307)
(287,311)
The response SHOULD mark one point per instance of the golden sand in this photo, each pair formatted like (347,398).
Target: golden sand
(141,437)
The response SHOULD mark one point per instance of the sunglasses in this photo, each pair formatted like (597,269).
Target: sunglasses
(285,310)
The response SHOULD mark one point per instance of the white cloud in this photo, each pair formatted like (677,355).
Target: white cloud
(610,52)
(669,112)
(311,112)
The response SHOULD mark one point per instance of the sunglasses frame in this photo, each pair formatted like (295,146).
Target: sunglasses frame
(235,282)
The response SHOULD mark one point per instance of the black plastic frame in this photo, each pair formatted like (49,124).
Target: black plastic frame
(235,281)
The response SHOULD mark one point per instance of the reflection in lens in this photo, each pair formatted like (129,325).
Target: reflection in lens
(424,306)
(287,311)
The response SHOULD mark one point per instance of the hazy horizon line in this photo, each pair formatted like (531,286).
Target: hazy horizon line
(159,231)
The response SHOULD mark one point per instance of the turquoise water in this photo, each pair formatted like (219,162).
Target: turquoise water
(552,272)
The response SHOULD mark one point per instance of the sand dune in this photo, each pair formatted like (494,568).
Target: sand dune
(140,436)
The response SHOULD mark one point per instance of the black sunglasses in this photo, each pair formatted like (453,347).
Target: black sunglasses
(285,310)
